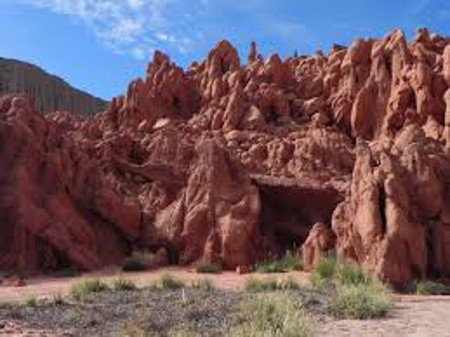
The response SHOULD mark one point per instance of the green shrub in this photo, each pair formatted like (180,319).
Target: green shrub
(275,316)
(86,287)
(430,288)
(206,267)
(30,301)
(330,271)
(138,261)
(292,261)
(255,285)
(289,262)
(289,284)
(203,284)
(123,285)
(346,273)
(323,272)
(326,267)
(360,301)
(167,282)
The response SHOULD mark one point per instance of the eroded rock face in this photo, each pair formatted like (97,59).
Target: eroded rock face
(231,163)
(216,216)
(48,92)
(319,243)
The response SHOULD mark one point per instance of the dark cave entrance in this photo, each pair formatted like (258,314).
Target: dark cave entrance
(291,208)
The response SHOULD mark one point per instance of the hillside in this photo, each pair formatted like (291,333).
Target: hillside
(49,93)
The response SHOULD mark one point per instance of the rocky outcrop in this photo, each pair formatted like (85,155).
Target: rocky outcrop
(393,222)
(231,163)
(50,187)
(318,245)
(216,217)
(49,93)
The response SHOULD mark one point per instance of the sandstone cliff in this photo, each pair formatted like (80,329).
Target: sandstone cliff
(49,93)
(231,162)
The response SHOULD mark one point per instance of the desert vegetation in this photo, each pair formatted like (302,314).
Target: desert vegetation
(270,284)
(431,288)
(30,301)
(353,293)
(290,261)
(274,315)
(88,286)
(167,282)
(203,284)
(206,267)
(170,306)
(122,284)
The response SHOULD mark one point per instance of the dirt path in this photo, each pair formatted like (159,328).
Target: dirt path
(48,287)
(411,317)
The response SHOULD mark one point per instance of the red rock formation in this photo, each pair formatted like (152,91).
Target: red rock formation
(319,242)
(229,163)
(215,218)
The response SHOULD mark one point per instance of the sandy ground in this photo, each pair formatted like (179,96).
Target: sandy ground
(48,287)
(411,316)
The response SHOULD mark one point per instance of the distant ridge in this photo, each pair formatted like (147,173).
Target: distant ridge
(49,92)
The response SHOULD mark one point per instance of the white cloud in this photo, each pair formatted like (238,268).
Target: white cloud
(162,36)
(134,27)
(138,53)
(136,4)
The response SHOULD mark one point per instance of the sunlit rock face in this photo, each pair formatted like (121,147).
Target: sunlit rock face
(231,163)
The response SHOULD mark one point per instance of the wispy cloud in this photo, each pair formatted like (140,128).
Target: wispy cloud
(134,27)
(180,27)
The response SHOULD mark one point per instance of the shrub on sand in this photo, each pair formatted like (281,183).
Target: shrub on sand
(30,302)
(203,284)
(323,272)
(288,262)
(167,282)
(256,285)
(123,285)
(274,315)
(86,287)
(360,301)
(350,273)
(431,288)
(289,284)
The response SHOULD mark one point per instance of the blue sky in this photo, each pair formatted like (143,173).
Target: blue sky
(100,45)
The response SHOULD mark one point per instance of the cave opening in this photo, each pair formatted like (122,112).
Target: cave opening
(290,210)
(173,256)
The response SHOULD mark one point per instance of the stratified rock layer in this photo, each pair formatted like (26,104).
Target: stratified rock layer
(232,163)
(49,93)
